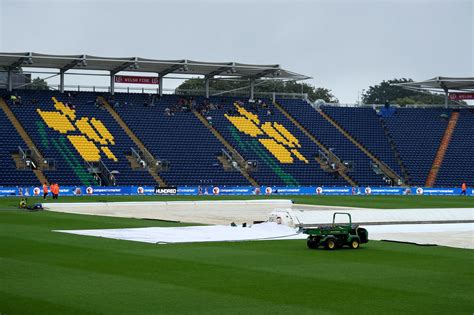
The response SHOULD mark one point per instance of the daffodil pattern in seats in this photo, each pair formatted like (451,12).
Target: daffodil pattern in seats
(90,137)
(281,143)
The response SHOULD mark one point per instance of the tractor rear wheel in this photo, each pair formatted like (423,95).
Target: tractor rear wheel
(330,244)
(355,244)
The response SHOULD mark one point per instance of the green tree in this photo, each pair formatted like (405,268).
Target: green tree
(268,86)
(387,91)
(38,84)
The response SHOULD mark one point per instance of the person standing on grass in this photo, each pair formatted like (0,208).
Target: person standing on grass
(55,190)
(45,190)
(464,189)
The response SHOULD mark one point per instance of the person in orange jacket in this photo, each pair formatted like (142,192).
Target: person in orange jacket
(464,189)
(55,190)
(45,190)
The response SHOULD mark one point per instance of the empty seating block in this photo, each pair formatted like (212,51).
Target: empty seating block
(70,129)
(457,166)
(364,125)
(285,155)
(417,133)
(181,139)
(333,139)
(9,142)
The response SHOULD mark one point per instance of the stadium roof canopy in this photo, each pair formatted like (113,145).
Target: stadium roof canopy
(441,84)
(138,64)
(446,85)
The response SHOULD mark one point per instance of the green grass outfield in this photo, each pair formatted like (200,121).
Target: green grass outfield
(43,272)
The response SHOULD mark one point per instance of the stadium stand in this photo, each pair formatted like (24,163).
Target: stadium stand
(72,128)
(180,139)
(9,142)
(326,133)
(364,125)
(457,166)
(91,134)
(417,133)
(288,157)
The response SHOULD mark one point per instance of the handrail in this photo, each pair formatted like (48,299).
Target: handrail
(99,168)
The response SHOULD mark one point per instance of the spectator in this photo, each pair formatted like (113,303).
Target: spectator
(112,179)
(209,120)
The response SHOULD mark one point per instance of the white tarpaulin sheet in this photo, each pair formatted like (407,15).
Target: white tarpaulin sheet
(188,234)
(454,235)
(459,235)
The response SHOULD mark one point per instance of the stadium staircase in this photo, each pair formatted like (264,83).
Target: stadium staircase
(384,167)
(396,152)
(341,168)
(135,139)
(417,133)
(443,147)
(26,139)
(239,159)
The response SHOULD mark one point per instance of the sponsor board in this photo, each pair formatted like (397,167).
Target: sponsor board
(335,190)
(36,191)
(437,191)
(387,191)
(165,190)
(235,190)
(8,191)
(134,79)
(461,96)
(190,191)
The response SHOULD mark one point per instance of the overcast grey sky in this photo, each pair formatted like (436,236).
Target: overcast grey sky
(345,46)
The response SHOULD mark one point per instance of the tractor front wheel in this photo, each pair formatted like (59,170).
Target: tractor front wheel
(355,244)
(330,244)
(312,243)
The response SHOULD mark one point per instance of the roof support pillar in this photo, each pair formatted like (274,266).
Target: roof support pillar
(206,86)
(112,82)
(446,98)
(10,80)
(61,81)
(160,85)
(252,88)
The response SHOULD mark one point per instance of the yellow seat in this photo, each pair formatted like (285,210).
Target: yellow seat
(56,121)
(86,148)
(278,150)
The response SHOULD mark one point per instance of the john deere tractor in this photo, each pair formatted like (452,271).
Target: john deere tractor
(336,235)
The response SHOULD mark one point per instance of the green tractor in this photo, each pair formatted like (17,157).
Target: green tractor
(336,235)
